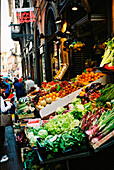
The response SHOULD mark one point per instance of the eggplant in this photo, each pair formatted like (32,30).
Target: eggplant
(87,89)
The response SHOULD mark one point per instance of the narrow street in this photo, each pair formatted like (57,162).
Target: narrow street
(10,148)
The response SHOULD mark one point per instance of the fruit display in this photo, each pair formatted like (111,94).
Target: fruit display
(88,76)
(77,45)
(53,86)
(55,90)
(91,92)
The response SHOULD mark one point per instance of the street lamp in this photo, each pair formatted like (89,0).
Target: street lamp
(74,5)
(58,20)
(15,28)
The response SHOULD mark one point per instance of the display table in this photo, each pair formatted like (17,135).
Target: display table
(48,110)
(101,157)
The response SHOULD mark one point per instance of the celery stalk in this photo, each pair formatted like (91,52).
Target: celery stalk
(107,58)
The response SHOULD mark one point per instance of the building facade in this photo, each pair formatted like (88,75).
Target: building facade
(47,43)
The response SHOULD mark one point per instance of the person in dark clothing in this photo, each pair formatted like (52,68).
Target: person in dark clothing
(19,89)
(5,106)
(12,110)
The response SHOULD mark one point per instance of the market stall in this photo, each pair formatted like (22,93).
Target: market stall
(73,123)
(31,128)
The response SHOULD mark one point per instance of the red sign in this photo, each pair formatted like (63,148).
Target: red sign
(25,17)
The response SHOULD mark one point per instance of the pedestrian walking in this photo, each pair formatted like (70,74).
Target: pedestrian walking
(20,79)
(5,106)
(28,84)
(19,89)
(8,89)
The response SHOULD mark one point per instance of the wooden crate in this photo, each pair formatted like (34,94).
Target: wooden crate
(103,140)
(26,116)
(23,150)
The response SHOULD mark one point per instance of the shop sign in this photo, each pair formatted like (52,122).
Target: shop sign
(25,15)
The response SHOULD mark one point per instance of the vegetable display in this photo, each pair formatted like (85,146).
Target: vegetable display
(104,126)
(107,94)
(74,140)
(61,123)
(30,160)
(83,122)
(108,56)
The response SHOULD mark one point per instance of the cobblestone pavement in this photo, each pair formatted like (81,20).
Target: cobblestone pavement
(10,149)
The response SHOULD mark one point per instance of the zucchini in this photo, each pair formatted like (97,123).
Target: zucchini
(22,105)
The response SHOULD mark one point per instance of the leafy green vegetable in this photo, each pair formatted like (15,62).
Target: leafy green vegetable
(61,123)
(31,160)
(43,133)
(65,141)
(60,110)
(107,94)
(76,101)
(87,107)
(109,53)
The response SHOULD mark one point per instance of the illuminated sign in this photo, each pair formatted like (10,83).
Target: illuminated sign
(25,17)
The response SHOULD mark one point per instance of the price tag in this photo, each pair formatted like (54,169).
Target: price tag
(84,71)
(58,88)
(73,79)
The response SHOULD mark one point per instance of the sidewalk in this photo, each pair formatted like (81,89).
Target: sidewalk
(10,148)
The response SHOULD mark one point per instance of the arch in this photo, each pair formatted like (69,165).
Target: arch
(50,28)
(49,11)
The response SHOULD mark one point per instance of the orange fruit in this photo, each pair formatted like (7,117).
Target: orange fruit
(50,94)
